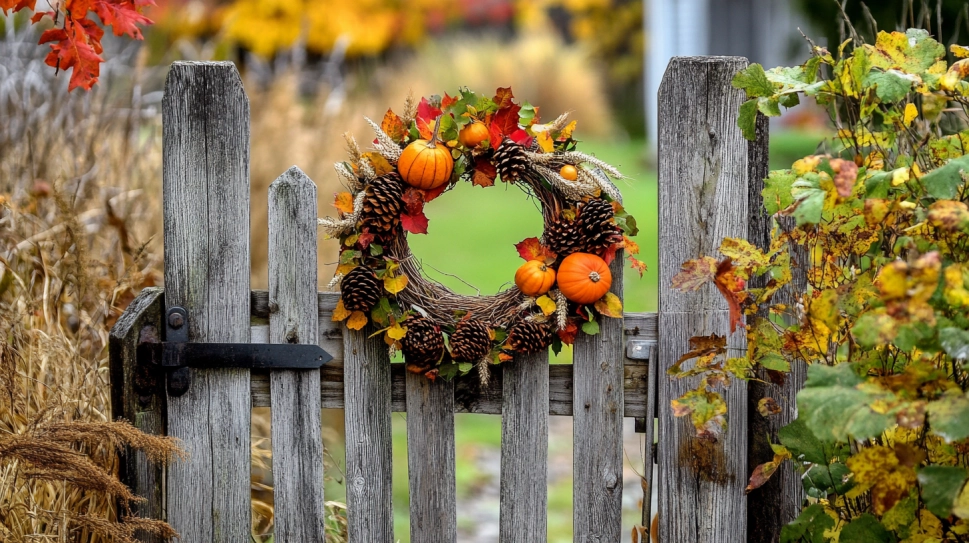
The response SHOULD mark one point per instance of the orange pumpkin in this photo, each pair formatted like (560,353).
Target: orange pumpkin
(425,164)
(584,278)
(473,134)
(569,172)
(534,278)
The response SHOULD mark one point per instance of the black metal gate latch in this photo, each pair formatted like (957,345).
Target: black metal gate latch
(176,355)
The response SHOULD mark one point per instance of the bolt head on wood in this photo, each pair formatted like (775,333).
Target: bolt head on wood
(176,320)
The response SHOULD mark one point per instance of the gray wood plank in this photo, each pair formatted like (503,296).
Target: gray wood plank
(430,459)
(597,428)
(703,198)
(649,437)
(778,502)
(297,442)
(205,116)
(524,449)
(138,397)
(368,435)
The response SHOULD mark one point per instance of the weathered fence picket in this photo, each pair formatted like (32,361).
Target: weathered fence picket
(709,188)
(205,116)
(294,318)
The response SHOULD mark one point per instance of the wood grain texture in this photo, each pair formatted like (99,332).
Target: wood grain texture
(430,459)
(778,502)
(369,455)
(524,449)
(138,397)
(649,456)
(703,170)
(205,117)
(297,442)
(597,428)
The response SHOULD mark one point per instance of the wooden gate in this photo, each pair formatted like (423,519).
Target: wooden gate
(709,188)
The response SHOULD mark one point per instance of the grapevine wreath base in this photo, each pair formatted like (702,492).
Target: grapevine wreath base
(562,289)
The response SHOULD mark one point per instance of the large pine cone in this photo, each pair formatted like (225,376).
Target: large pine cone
(423,344)
(510,161)
(470,341)
(360,289)
(529,337)
(382,206)
(598,228)
(564,237)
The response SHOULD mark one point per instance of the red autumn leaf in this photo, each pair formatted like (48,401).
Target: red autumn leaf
(434,193)
(761,475)
(426,115)
(76,46)
(520,137)
(123,16)
(504,123)
(484,173)
(532,249)
(393,126)
(567,335)
(695,273)
(610,253)
(413,201)
(503,97)
(415,224)
(447,101)
(365,239)
(637,265)
(16,5)
(730,286)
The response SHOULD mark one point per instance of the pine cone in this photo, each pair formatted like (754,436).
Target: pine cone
(596,223)
(529,337)
(510,161)
(423,344)
(382,206)
(360,289)
(470,341)
(564,237)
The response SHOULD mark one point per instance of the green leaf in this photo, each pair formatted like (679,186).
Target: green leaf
(753,81)
(940,487)
(865,529)
(834,407)
(808,527)
(774,361)
(777,190)
(878,184)
(949,416)
(822,479)
(590,327)
(942,183)
(872,329)
(891,86)
(803,444)
(747,121)
(526,114)
(465,367)
(769,106)
(809,206)
(955,342)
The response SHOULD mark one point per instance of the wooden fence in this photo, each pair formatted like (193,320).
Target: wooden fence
(710,180)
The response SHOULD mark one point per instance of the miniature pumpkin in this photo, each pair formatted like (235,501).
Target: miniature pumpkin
(425,164)
(569,172)
(473,134)
(584,278)
(534,278)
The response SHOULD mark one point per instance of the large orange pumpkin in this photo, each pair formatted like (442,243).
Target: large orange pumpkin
(534,278)
(425,164)
(584,278)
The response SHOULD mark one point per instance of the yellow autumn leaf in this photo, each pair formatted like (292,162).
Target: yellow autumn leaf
(345,268)
(546,304)
(395,284)
(357,320)
(630,246)
(743,253)
(545,141)
(566,132)
(806,165)
(379,163)
(900,176)
(396,331)
(959,51)
(961,508)
(344,202)
(610,306)
(911,112)
(956,73)
(892,280)
(340,313)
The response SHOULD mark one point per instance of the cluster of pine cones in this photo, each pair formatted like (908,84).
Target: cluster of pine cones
(592,231)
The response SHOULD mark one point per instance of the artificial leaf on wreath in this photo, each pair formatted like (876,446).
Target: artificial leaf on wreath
(532,249)
(546,304)
(393,126)
(357,320)
(484,173)
(415,224)
(426,115)
(395,284)
(380,164)
(340,313)
(567,334)
(610,306)
(637,264)
(344,202)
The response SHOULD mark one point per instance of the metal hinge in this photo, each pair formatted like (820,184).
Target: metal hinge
(177,356)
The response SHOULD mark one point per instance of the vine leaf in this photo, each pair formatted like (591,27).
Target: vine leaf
(77,47)
(695,273)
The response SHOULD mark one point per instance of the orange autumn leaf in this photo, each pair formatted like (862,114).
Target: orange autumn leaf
(379,163)
(393,126)
(532,249)
(609,306)
(630,246)
(357,320)
(731,287)
(344,202)
(340,313)
(637,265)
(695,273)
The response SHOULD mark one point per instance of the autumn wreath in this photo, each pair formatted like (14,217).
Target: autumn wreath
(561,289)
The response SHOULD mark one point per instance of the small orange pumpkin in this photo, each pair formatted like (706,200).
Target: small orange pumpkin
(584,278)
(569,173)
(473,134)
(425,164)
(534,278)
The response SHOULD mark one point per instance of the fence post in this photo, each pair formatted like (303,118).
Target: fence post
(430,459)
(703,169)
(205,116)
(294,318)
